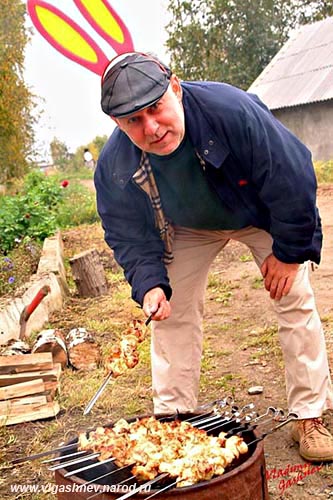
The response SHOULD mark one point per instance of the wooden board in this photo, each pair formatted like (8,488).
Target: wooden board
(26,363)
(31,412)
(22,389)
(46,375)
(20,405)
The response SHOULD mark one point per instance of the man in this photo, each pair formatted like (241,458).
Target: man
(189,167)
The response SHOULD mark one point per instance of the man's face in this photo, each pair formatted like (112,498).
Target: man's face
(160,128)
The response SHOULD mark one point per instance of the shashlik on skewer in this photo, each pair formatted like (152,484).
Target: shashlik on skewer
(124,355)
(153,447)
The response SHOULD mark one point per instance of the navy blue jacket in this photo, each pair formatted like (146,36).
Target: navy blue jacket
(254,163)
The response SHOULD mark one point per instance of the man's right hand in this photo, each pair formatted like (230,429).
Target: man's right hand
(156,303)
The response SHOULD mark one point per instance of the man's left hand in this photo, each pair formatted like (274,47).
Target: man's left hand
(278,276)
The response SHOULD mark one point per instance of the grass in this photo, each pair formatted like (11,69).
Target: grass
(257,283)
(246,257)
(266,341)
(220,291)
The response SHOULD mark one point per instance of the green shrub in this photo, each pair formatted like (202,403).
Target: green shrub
(42,205)
(78,207)
(32,212)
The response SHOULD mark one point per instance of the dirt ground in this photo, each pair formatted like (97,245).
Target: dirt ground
(240,351)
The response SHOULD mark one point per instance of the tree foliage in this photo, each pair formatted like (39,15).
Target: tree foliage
(60,154)
(63,159)
(16,101)
(233,40)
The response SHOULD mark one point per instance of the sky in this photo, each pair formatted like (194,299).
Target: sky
(69,94)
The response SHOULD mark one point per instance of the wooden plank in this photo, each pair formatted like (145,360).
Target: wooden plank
(22,389)
(46,411)
(19,405)
(46,375)
(26,362)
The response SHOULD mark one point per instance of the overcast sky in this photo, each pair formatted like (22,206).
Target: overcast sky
(70,93)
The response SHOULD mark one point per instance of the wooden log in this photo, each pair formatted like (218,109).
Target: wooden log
(31,412)
(83,351)
(22,389)
(52,341)
(19,405)
(14,347)
(26,363)
(88,274)
(52,375)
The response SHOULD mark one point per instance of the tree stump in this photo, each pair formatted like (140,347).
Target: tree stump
(88,273)
(83,350)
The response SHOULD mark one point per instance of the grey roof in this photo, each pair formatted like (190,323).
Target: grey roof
(302,71)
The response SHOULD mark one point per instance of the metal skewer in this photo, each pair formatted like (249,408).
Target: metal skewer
(91,466)
(143,486)
(97,394)
(74,461)
(106,381)
(290,418)
(44,453)
(64,457)
(161,490)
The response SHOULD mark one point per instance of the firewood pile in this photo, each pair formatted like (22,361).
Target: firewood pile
(30,375)
(28,387)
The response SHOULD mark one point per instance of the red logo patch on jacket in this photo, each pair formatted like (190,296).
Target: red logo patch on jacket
(242,182)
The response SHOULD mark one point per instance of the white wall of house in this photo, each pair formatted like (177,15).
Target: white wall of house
(313,124)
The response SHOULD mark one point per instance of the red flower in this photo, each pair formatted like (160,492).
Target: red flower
(64,183)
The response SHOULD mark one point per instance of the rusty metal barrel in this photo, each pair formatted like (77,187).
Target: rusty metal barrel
(246,481)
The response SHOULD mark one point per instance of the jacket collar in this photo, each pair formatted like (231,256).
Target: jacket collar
(126,156)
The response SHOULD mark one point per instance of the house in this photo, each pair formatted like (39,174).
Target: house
(297,86)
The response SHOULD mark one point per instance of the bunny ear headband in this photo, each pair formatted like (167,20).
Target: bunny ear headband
(72,41)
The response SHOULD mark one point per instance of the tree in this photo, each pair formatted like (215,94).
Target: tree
(309,11)
(16,101)
(232,40)
(99,142)
(60,154)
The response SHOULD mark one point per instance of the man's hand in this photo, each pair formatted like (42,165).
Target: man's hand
(278,276)
(155,303)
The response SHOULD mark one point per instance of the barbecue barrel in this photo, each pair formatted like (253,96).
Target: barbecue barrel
(246,480)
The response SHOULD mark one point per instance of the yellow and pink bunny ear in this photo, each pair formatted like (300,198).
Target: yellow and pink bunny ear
(106,22)
(72,41)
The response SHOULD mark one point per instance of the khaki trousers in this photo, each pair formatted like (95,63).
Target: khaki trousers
(177,342)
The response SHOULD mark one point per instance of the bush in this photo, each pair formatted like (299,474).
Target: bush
(42,205)
(78,207)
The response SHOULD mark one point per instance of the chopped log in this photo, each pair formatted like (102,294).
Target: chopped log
(14,347)
(52,375)
(88,274)
(83,351)
(52,341)
(26,362)
(18,405)
(51,388)
(31,412)
(22,389)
